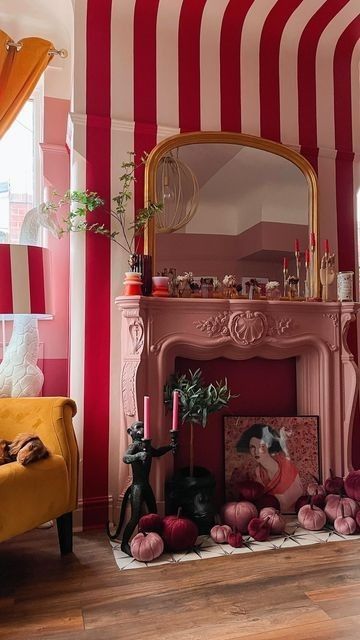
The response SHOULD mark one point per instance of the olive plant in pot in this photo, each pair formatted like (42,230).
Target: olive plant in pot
(83,203)
(192,488)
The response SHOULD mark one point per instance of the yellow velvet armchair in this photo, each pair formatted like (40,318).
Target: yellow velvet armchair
(46,489)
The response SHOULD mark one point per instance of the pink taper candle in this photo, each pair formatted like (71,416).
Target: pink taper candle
(146,418)
(312,240)
(285,263)
(326,247)
(307,257)
(175,413)
(297,246)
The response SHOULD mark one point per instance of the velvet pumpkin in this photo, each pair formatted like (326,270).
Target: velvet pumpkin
(259,529)
(220,533)
(315,489)
(335,504)
(151,522)
(238,515)
(267,500)
(274,518)
(249,490)
(179,534)
(357,519)
(146,547)
(352,485)
(345,525)
(311,517)
(235,540)
(334,484)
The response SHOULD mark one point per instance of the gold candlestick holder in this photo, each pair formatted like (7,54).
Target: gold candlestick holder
(327,274)
(298,263)
(285,275)
(312,268)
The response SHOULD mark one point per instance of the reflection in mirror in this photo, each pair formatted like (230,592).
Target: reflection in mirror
(252,206)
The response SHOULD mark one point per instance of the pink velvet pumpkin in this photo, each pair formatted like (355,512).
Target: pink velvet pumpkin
(315,489)
(274,518)
(238,515)
(235,540)
(146,547)
(352,485)
(151,522)
(311,517)
(220,533)
(179,533)
(334,504)
(345,525)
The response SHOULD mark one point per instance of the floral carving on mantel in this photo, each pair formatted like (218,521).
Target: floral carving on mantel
(136,330)
(245,327)
(333,346)
(128,386)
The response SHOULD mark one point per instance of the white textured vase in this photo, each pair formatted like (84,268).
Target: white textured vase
(19,373)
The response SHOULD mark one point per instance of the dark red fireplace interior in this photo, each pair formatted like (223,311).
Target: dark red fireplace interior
(264,388)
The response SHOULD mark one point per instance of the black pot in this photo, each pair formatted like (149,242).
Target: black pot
(194,494)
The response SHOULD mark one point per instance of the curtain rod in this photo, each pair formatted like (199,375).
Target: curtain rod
(53,52)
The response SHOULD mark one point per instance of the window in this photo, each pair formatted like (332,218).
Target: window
(20,168)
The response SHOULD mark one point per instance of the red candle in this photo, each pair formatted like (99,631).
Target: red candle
(285,263)
(175,413)
(307,257)
(146,418)
(326,246)
(297,246)
(312,240)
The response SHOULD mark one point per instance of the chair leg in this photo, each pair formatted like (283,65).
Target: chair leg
(64,527)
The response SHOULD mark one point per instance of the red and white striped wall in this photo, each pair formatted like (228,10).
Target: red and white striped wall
(287,70)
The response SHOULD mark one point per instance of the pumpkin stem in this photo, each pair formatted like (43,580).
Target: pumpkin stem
(179,512)
(315,478)
(332,474)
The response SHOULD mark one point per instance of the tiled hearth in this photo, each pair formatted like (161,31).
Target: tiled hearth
(293,537)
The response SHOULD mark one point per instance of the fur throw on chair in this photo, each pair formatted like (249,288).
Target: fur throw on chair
(25,448)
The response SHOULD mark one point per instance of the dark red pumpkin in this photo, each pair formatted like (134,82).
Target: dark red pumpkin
(235,540)
(259,529)
(300,502)
(357,520)
(334,484)
(267,500)
(151,522)
(319,500)
(249,490)
(352,485)
(179,534)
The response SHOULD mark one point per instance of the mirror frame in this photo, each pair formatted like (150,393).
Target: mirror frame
(225,137)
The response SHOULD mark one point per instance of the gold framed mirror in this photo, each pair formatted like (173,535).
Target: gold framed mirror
(255,197)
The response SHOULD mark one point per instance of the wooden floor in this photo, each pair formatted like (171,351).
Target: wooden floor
(310,593)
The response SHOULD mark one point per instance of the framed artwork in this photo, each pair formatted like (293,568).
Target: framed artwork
(282,453)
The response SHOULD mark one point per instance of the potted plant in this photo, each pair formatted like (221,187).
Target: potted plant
(83,202)
(192,488)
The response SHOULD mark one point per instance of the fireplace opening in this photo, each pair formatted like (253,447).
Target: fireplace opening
(264,387)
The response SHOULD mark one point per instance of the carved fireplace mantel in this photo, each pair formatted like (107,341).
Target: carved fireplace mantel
(155,331)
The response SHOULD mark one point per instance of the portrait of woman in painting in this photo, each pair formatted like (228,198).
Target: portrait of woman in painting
(273,467)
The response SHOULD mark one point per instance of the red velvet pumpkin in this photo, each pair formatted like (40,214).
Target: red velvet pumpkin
(311,517)
(238,515)
(274,518)
(259,529)
(249,490)
(179,533)
(220,533)
(146,547)
(235,540)
(352,485)
(151,522)
(267,500)
(334,484)
(335,504)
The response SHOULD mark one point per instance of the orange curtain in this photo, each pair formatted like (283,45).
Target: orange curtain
(20,72)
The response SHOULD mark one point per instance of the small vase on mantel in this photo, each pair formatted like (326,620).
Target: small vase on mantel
(133,283)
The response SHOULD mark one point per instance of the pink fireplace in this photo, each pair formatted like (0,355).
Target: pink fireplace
(155,332)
